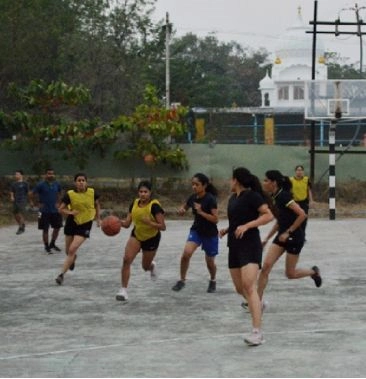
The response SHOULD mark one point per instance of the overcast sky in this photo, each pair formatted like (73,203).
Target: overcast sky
(260,23)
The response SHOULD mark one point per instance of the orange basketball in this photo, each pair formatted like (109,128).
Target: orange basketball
(111,225)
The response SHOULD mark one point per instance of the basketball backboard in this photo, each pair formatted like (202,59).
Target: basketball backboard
(335,99)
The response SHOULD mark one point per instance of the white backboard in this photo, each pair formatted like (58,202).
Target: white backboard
(335,99)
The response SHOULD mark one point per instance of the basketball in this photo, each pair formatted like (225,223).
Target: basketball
(111,225)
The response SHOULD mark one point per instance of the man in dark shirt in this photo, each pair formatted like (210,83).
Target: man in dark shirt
(48,192)
(19,196)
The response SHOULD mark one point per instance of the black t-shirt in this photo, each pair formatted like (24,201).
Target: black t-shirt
(285,216)
(242,209)
(200,224)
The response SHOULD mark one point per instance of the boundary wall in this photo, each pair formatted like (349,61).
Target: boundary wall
(214,160)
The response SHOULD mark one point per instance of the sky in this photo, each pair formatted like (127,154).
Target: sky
(260,23)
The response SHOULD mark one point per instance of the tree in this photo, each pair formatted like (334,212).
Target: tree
(338,68)
(102,44)
(111,52)
(151,129)
(31,34)
(208,73)
(43,121)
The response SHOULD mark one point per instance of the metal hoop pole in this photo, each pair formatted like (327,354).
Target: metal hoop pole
(332,177)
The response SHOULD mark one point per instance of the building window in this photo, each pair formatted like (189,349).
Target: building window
(283,93)
(267,103)
(298,93)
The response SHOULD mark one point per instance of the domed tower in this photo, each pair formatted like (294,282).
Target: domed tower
(267,88)
(292,65)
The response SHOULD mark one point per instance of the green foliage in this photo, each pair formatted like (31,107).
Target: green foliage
(151,128)
(338,68)
(115,49)
(50,97)
(46,123)
(209,73)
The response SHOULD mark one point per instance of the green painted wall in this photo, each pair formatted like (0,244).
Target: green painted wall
(216,161)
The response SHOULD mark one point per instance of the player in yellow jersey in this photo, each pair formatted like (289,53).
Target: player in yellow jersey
(301,191)
(81,206)
(147,216)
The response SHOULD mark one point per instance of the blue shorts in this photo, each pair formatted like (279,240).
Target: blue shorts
(210,245)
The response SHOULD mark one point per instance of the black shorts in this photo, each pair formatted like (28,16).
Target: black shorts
(50,219)
(250,252)
(150,244)
(73,229)
(19,208)
(294,244)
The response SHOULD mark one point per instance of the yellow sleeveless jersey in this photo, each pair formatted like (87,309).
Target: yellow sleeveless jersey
(300,188)
(84,203)
(143,231)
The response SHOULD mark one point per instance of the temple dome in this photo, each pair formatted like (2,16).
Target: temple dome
(296,43)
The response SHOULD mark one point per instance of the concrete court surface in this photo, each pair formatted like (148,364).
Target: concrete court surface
(80,330)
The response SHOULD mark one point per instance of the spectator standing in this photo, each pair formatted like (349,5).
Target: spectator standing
(20,195)
(48,192)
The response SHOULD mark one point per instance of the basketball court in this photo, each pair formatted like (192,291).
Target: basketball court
(80,330)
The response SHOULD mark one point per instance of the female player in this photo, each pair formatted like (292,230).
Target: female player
(290,235)
(81,206)
(247,210)
(147,216)
(203,232)
(301,191)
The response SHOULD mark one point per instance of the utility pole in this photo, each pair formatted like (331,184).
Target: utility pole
(313,63)
(168,30)
(359,34)
(337,23)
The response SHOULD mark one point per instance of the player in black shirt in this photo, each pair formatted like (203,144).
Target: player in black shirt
(203,232)
(247,210)
(290,235)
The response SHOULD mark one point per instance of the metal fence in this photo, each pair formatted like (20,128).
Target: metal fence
(278,129)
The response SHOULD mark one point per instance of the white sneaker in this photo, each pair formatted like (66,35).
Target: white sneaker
(122,294)
(153,273)
(254,339)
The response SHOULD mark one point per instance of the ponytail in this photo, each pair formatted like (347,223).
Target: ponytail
(282,181)
(202,178)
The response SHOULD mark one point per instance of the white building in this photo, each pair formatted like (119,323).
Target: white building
(291,67)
